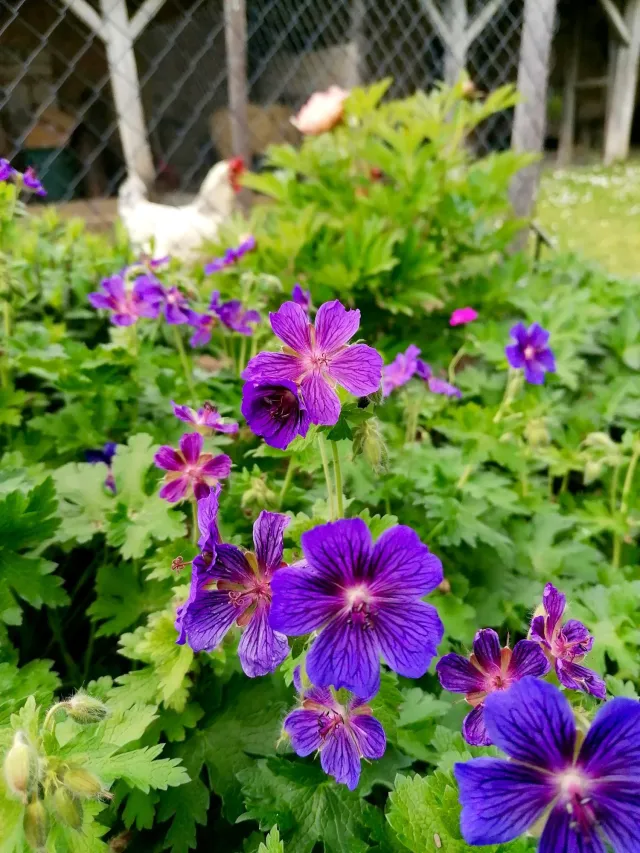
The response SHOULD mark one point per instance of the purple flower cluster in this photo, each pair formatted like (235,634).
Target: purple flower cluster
(126,304)
(28,179)
(232,315)
(586,793)
(231,256)
(405,366)
(316,359)
(301,297)
(531,352)
(104,456)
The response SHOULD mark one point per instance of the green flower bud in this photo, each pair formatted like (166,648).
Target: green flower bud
(368,442)
(21,767)
(67,808)
(36,825)
(85,709)
(536,433)
(82,782)
(258,494)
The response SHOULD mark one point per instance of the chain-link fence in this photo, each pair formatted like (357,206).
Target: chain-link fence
(89,88)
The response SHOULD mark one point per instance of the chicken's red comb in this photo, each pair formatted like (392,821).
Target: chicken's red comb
(236,168)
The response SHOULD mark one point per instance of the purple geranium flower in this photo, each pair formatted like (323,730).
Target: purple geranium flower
(435,385)
(565,644)
(365,598)
(170,301)
(342,734)
(206,420)
(6,170)
(489,668)
(301,297)
(233,315)
(275,412)
(31,181)
(190,472)
(589,796)
(231,256)
(105,456)
(318,358)
(235,587)
(126,305)
(531,352)
(401,370)
(462,316)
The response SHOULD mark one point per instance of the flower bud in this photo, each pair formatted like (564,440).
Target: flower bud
(82,782)
(36,825)
(21,766)
(68,808)
(536,433)
(85,709)
(368,442)
(258,494)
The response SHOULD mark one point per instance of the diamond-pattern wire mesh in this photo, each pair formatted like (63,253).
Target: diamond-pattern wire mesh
(50,60)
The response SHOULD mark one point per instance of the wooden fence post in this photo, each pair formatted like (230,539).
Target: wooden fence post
(567,126)
(235,32)
(622,94)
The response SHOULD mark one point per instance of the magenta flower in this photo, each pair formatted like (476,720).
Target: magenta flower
(365,600)
(6,170)
(126,305)
(31,181)
(530,352)
(206,420)
(318,358)
(231,256)
(190,472)
(203,325)
(301,297)
(342,734)
(488,669)
(105,456)
(275,412)
(434,384)
(586,796)
(401,370)
(462,316)
(233,315)
(565,644)
(170,301)
(231,586)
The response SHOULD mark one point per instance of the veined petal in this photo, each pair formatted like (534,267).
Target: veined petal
(231,565)
(184,413)
(175,490)
(358,368)
(335,326)
(554,602)
(168,459)
(528,659)
(474,730)
(291,324)
(268,538)
(612,745)
(219,466)
(369,735)
(578,677)
(574,631)
(303,728)
(339,552)
(618,810)
(100,301)
(408,633)
(500,800)
(261,650)
(320,400)
(345,655)
(191,446)
(402,565)
(487,650)
(273,366)
(560,836)
(339,758)
(208,618)
(208,518)
(458,675)
(302,601)
(532,722)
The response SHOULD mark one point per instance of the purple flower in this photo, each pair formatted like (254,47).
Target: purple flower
(190,472)
(206,420)
(301,297)
(6,170)
(231,256)
(586,796)
(30,181)
(105,456)
(233,315)
(203,325)
(235,587)
(435,385)
(462,316)
(531,352)
(565,644)
(365,598)
(126,306)
(423,370)
(342,734)
(400,371)
(170,301)
(318,358)
(275,412)
(489,668)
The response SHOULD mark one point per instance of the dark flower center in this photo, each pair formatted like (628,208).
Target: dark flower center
(360,603)
(282,404)
(328,722)
(574,794)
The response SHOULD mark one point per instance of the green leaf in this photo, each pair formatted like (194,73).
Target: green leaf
(17,683)
(142,769)
(85,502)
(272,843)
(185,807)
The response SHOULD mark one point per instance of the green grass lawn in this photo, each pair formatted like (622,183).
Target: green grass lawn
(595,211)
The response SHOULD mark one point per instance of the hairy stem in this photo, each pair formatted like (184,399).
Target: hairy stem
(291,467)
(451,372)
(327,475)
(194,521)
(338,474)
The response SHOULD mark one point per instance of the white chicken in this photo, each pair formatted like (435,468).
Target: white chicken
(160,229)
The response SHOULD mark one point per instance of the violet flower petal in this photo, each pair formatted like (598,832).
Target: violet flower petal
(369,734)
(577,677)
(208,619)
(291,324)
(358,369)
(339,758)
(168,459)
(487,649)
(401,562)
(474,730)
(409,633)
(458,674)
(175,490)
(528,659)
(191,446)
(301,602)
(261,650)
(303,728)
(339,552)
(345,655)
(268,539)
(320,399)
(273,367)
(335,326)
(559,836)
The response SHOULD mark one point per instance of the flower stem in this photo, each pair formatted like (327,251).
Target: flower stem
(51,714)
(291,467)
(338,474)
(327,475)
(194,521)
(451,372)
(185,365)
(624,503)
(243,355)
(468,471)
(510,391)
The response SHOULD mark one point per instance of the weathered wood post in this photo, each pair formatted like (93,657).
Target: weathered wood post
(567,127)
(235,32)
(529,122)
(622,94)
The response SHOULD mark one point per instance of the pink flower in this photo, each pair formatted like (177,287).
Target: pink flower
(190,472)
(322,111)
(206,420)
(461,316)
